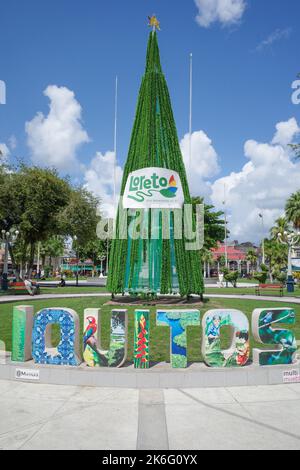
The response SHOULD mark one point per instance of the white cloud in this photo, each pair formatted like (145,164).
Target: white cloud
(276,36)
(13,143)
(286,131)
(263,185)
(4,153)
(54,139)
(204,163)
(99,179)
(227,12)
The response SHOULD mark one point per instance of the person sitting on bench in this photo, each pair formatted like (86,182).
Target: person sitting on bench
(32,289)
(62,281)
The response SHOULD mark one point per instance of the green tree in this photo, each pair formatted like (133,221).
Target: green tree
(95,249)
(276,256)
(207,259)
(30,200)
(292,209)
(231,276)
(52,248)
(262,276)
(252,259)
(222,261)
(80,216)
(214,224)
(281,226)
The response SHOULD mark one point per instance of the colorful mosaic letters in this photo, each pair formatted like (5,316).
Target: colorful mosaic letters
(263,323)
(178,320)
(239,351)
(141,339)
(31,337)
(68,349)
(93,355)
(21,333)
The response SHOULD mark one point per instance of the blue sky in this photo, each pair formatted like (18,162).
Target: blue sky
(243,71)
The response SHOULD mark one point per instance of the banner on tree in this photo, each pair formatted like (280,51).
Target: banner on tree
(153,188)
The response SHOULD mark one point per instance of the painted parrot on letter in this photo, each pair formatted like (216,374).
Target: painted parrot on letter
(90,331)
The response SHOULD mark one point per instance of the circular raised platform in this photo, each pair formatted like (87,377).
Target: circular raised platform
(197,375)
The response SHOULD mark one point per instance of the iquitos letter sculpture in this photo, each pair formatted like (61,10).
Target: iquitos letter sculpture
(31,337)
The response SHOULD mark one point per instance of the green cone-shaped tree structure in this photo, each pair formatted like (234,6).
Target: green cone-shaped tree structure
(162,265)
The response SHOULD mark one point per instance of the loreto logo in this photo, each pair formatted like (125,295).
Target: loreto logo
(153,188)
(2,92)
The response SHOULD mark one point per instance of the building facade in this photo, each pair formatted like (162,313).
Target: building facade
(236,257)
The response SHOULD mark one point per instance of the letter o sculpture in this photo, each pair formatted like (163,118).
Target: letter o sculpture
(68,348)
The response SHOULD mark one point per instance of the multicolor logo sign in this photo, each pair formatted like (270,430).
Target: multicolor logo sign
(153,188)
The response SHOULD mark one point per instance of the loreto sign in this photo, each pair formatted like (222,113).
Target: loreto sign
(31,337)
(153,188)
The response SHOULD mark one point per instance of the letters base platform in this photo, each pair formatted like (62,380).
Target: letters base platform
(196,375)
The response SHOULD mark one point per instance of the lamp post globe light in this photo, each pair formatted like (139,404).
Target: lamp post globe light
(290,239)
(7,238)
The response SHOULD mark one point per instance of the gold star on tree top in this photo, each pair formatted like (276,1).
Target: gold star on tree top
(154,23)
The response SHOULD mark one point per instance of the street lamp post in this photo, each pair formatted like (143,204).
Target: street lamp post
(77,258)
(263,240)
(6,238)
(289,239)
(102,258)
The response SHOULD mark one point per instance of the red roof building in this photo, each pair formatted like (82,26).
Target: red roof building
(233,253)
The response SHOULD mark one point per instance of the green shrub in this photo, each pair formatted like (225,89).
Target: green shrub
(261,277)
(280,277)
(232,277)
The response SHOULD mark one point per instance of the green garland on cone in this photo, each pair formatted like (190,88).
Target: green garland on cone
(154,143)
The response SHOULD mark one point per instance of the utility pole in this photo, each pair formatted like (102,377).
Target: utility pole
(77,258)
(261,215)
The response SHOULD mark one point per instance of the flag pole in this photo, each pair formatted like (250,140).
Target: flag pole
(115,143)
(225,216)
(191,115)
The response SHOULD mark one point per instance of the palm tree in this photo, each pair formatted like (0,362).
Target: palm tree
(276,255)
(292,209)
(207,259)
(281,226)
(252,259)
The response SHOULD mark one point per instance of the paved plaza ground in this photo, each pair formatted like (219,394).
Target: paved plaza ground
(64,417)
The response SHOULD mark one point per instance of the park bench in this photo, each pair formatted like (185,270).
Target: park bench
(20,287)
(269,287)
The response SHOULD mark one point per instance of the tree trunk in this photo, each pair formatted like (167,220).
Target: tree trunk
(15,267)
(43,261)
(31,260)
(23,260)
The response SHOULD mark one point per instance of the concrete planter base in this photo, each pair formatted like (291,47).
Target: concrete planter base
(159,376)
